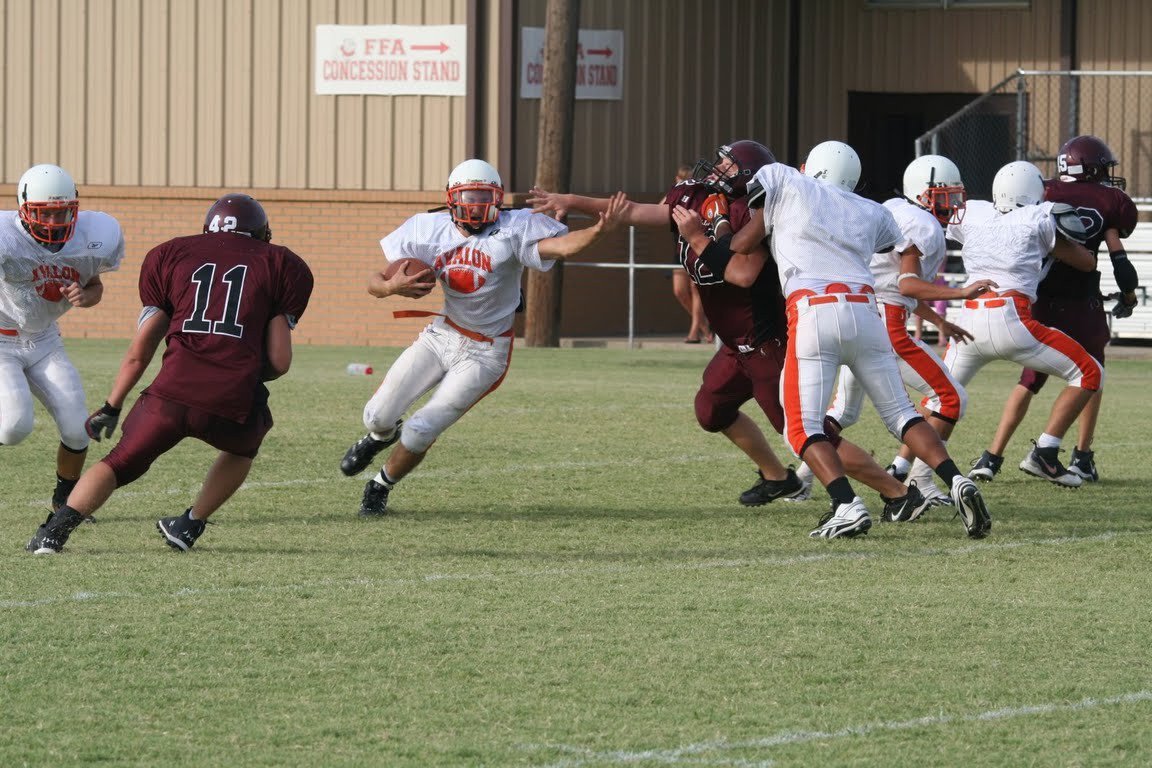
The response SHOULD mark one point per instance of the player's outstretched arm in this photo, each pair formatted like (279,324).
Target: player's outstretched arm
(572,243)
(558,205)
(910,284)
(947,329)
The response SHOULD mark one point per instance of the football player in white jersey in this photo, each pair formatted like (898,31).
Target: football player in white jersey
(823,238)
(52,255)
(477,252)
(1010,241)
(933,198)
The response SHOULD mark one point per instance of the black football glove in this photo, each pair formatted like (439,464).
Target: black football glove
(104,420)
(1122,310)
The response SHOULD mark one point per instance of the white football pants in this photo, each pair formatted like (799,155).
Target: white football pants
(919,368)
(38,365)
(825,332)
(1003,329)
(461,369)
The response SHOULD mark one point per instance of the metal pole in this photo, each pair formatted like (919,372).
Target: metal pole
(631,285)
(1021,119)
(1074,106)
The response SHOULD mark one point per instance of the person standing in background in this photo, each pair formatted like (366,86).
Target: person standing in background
(686,291)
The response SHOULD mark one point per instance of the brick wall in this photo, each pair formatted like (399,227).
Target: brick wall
(338,234)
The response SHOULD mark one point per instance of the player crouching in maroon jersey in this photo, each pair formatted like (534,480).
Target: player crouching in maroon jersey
(226,301)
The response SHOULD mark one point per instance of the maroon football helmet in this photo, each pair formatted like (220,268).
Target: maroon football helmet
(1087,158)
(239,213)
(734,167)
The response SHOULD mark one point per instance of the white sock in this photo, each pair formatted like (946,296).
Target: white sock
(1047,441)
(383,479)
(902,465)
(381,437)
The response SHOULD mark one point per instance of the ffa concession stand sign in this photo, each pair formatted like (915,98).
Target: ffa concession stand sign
(391,59)
(599,63)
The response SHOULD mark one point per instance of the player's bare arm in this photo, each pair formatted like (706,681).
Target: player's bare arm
(558,205)
(948,329)
(750,235)
(742,269)
(87,295)
(149,334)
(1074,255)
(572,243)
(911,285)
(413,286)
(277,349)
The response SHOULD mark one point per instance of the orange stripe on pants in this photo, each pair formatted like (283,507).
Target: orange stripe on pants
(926,365)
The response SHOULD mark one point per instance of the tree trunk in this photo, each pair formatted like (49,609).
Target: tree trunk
(553,159)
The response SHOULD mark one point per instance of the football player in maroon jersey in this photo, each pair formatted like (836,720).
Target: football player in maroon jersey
(225,301)
(1070,300)
(745,310)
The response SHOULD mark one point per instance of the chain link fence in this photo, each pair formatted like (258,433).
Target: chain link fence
(1030,114)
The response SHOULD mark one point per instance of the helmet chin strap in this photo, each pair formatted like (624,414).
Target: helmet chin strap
(474,228)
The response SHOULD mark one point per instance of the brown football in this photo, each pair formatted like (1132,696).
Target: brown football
(408,266)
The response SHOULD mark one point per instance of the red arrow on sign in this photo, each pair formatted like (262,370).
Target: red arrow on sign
(600,51)
(442,46)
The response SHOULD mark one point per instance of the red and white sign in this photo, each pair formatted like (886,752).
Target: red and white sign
(599,63)
(392,59)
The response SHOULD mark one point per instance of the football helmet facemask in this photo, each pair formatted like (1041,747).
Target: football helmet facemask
(475,193)
(933,182)
(1088,158)
(239,214)
(47,203)
(734,167)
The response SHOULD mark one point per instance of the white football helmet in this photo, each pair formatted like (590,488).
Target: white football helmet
(475,193)
(834,162)
(1016,185)
(933,182)
(47,203)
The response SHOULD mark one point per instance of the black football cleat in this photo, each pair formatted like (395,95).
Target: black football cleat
(906,508)
(53,534)
(180,532)
(767,491)
(360,455)
(375,501)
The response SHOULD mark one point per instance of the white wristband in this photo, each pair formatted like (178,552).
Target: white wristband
(900,278)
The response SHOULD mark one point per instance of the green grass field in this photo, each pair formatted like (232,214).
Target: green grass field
(568,581)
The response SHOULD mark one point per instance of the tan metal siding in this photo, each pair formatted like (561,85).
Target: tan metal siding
(155,88)
(211,81)
(73,94)
(19,115)
(1116,36)
(238,92)
(181,90)
(690,84)
(45,76)
(126,147)
(267,118)
(97,135)
(295,86)
(850,47)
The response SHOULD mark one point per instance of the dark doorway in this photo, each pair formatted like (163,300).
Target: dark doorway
(883,128)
